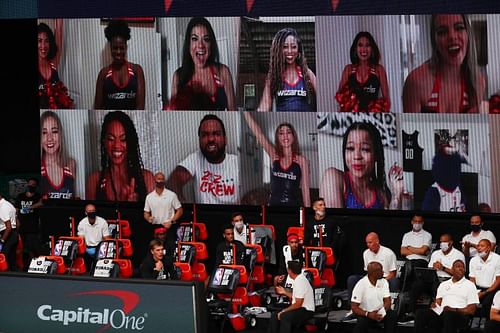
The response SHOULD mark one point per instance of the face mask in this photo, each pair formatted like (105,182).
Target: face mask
(31,189)
(475,227)
(160,184)
(320,213)
(417,226)
(91,215)
(238,225)
(444,246)
(482,254)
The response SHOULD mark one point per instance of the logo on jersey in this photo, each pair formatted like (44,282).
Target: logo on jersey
(217,186)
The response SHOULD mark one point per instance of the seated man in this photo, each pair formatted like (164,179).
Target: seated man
(240,229)
(302,307)
(293,251)
(371,301)
(156,265)
(381,254)
(93,229)
(225,251)
(456,300)
(484,272)
(470,241)
(442,261)
(493,325)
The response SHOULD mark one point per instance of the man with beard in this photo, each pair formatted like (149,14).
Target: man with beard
(215,172)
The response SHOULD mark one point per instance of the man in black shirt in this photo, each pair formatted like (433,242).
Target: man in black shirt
(224,254)
(27,204)
(322,230)
(157,265)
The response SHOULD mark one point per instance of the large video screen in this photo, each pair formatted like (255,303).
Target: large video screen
(378,112)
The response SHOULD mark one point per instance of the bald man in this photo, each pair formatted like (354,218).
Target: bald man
(93,229)
(162,207)
(376,252)
(484,272)
(371,301)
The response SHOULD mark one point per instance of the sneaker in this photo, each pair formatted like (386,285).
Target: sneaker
(349,316)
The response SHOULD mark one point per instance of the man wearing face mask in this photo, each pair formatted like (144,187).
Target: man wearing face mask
(322,230)
(93,229)
(470,241)
(27,204)
(442,259)
(293,251)
(240,229)
(484,271)
(162,207)
(415,247)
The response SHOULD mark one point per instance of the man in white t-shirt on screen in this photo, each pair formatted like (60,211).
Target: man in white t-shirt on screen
(214,172)
(302,307)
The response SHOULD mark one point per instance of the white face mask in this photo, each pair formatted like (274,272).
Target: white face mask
(417,226)
(444,246)
(239,225)
(320,213)
(482,254)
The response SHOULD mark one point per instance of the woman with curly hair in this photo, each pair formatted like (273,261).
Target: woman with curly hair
(51,91)
(290,169)
(58,168)
(122,176)
(365,76)
(202,82)
(289,79)
(120,86)
(450,81)
(362,184)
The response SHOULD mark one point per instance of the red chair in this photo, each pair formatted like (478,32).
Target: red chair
(3,263)
(124,230)
(199,271)
(126,269)
(186,272)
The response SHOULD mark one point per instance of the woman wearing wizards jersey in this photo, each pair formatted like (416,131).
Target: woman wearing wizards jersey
(290,169)
(58,169)
(289,80)
(362,184)
(364,77)
(450,81)
(120,86)
(202,82)
(122,176)
(51,91)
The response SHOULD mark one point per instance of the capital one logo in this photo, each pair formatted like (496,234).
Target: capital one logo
(117,318)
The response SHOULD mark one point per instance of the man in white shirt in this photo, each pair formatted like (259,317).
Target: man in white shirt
(215,172)
(415,246)
(8,232)
(456,300)
(371,301)
(470,241)
(443,258)
(493,325)
(240,228)
(484,272)
(162,207)
(381,254)
(302,307)
(93,229)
